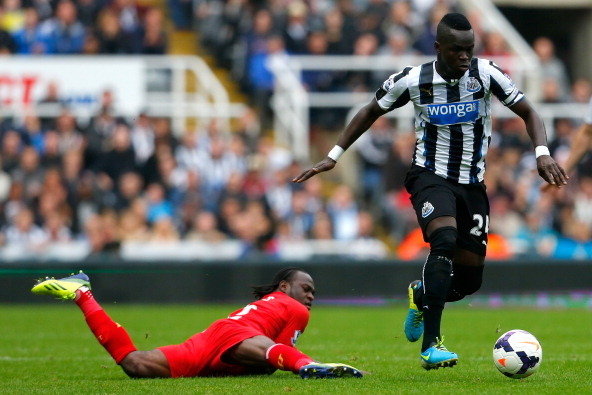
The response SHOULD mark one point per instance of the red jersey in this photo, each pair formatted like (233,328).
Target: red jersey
(277,316)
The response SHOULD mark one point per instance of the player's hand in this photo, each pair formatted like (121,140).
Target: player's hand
(324,165)
(551,172)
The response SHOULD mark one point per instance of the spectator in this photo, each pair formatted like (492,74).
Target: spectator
(551,67)
(343,211)
(64,34)
(142,134)
(581,90)
(373,151)
(99,237)
(130,187)
(205,229)
(300,219)
(365,45)
(322,228)
(297,27)
(28,39)
(339,38)
(70,135)
(181,13)
(120,158)
(10,150)
(56,229)
(157,205)
(131,16)
(52,154)
(31,128)
(279,194)
(154,38)
(5,181)
(132,227)
(402,16)
(494,45)
(29,172)
(424,42)
(88,12)
(24,233)
(12,17)
(164,231)
(50,100)
(111,38)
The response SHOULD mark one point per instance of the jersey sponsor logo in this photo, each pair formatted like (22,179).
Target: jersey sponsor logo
(453,113)
(473,85)
(427,209)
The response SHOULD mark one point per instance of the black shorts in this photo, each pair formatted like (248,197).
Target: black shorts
(433,196)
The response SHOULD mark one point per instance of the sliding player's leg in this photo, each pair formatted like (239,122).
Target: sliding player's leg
(112,336)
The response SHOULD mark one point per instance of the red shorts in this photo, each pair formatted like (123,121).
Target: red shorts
(201,354)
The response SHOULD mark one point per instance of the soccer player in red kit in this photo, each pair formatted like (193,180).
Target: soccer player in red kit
(257,339)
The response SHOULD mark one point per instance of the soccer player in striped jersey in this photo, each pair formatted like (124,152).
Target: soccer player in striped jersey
(257,339)
(452,101)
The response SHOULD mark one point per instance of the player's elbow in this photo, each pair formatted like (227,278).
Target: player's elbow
(143,364)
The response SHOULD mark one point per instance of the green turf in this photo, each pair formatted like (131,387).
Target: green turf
(48,349)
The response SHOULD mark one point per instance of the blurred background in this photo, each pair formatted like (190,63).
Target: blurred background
(161,137)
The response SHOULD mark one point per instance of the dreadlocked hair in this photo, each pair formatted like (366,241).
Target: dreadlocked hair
(286,274)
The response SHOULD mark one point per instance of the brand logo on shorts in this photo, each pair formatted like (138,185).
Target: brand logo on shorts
(427,209)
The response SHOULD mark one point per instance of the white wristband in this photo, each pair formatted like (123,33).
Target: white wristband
(541,150)
(335,153)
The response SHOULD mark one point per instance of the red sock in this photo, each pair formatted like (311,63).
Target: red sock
(286,358)
(110,334)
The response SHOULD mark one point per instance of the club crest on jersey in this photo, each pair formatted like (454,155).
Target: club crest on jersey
(473,85)
(427,209)
(453,113)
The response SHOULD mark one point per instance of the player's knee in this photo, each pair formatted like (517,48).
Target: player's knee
(443,242)
(471,288)
(467,279)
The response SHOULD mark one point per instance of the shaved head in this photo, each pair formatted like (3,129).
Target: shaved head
(452,21)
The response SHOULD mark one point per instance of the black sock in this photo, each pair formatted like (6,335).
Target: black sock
(432,317)
(436,283)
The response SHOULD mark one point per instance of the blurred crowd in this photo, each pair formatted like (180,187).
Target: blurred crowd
(112,181)
(90,27)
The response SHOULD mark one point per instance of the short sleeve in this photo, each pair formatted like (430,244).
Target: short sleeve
(503,87)
(394,92)
(297,320)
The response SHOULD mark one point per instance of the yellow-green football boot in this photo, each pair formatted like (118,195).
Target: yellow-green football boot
(62,288)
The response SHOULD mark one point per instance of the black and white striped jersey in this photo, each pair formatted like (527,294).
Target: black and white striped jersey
(452,118)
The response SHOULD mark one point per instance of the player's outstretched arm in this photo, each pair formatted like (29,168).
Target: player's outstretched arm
(548,169)
(354,129)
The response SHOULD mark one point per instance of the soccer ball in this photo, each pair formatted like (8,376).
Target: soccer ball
(517,354)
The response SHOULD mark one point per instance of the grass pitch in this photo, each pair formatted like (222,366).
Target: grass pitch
(47,349)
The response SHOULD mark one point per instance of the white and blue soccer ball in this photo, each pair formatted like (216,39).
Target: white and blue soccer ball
(517,354)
